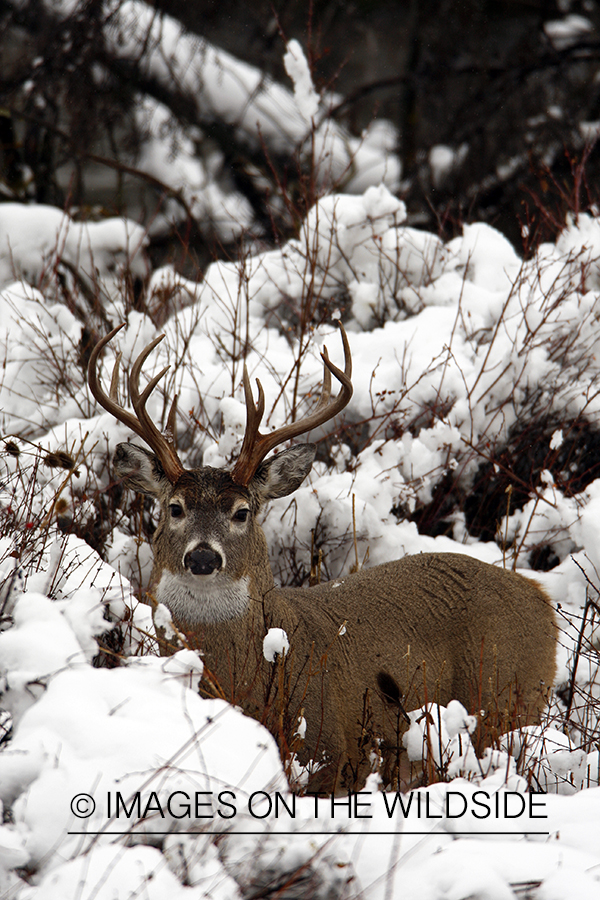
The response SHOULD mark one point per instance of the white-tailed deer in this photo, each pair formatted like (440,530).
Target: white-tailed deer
(363,648)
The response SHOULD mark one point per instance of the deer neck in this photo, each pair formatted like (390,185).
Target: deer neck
(260,575)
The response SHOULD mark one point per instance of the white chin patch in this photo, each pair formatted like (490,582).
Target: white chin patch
(203,598)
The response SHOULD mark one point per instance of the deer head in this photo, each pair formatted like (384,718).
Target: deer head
(210,553)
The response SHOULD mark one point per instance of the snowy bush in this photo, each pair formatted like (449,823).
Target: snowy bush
(456,347)
(463,353)
(474,427)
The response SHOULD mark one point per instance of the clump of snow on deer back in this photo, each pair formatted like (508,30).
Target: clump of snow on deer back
(275,644)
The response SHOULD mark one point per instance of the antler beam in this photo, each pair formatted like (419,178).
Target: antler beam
(256,445)
(141,422)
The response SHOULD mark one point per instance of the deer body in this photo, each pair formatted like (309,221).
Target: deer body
(427,627)
(364,648)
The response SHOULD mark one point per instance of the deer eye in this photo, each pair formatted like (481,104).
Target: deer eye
(176,510)
(241,515)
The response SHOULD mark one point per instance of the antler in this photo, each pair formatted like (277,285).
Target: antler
(256,445)
(141,423)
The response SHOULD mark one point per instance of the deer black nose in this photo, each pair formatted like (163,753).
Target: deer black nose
(202,561)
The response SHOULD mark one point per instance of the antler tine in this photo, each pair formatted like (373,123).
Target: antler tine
(114,381)
(345,379)
(254,412)
(171,418)
(140,423)
(164,447)
(326,389)
(138,401)
(109,403)
(256,445)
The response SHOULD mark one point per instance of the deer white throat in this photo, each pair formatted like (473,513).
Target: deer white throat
(203,598)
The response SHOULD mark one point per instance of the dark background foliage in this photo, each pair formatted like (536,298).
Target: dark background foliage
(482,77)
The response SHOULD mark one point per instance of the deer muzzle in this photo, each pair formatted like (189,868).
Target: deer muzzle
(203,561)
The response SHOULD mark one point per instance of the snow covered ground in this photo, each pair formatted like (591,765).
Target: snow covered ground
(453,346)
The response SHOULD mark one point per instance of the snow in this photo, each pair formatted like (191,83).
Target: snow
(453,344)
(296,65)
(443,160)
(120,874)
(34,239)
(258,108)
(276,643)
(80,730)
(566,32)
(170,151)
(261,113)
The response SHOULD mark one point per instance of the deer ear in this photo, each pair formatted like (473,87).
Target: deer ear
(283,473)
(139,469)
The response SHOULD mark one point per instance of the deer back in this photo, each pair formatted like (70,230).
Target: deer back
(367,648)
